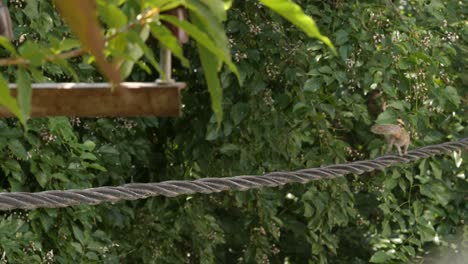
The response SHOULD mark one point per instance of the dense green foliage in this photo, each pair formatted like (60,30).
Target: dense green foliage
(300,106)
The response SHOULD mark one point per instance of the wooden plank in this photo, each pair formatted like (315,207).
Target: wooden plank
(97,100)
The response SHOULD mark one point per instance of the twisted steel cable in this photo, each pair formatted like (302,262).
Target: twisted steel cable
(134,191)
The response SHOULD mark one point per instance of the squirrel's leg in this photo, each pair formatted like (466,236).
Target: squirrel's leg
(399,149)
(390,142)
(406,148)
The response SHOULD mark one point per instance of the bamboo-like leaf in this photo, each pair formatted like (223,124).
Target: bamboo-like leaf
(166,38)
(82,18)
(203,39)
(163,5)
(210,62)
(147,52)
(217,7)
(9,101)
(227,4)
(211,16)
(293,12)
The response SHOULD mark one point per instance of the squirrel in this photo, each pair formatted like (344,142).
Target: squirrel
(394,135)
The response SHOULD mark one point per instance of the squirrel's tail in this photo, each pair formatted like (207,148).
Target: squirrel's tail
(394,130)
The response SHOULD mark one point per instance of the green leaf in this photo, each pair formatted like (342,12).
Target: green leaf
(96,166)
(9,101)
(212,135)
(62,62)
(436,169)
(386,229)
(229,149)
(453,96)
(399,105)
(293,12)
(78,233)
(61,126)
(300,106)
(390,183)
(341,37)
(239,112)
(108,149)
(78,248)
(312,85)
(88,156)
(60,176)
(32,52)
(144,67)
(69,43)
(403,64)
(390,90)
(326,69)
(32,10)
(343,50)
(47,223)
(387,117)
(138,39)
(379,257)
(24,89)
(41,178)
(17,149)
(426,232)
(89,145)
(410,250)
(132,53)
(417,208)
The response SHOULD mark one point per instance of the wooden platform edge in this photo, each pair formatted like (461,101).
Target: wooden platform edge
(97,99)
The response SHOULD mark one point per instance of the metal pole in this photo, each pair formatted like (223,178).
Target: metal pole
(6,28)
(166,65)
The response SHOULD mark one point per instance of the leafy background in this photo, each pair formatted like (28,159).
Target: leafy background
(299,106)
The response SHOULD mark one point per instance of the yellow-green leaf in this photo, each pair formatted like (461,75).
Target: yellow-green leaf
(24,92)
(112,15)
(9,101)
(7,45)
(293,12)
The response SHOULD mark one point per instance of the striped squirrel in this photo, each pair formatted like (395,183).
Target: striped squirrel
(395,135)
